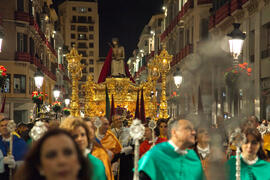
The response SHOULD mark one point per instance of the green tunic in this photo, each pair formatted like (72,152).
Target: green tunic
(257,171)
(163,163)
(98,170)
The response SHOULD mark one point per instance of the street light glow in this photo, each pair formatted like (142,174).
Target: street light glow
(178,78)
(38,77)
(56,92)
(236,41)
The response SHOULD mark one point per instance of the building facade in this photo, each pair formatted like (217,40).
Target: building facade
(254,17)
(31,41)
(80,27)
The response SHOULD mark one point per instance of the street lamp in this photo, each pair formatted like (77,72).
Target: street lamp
(38,77)
(56,92)
(177,76)
(67,101)
(1,39)
(236,41)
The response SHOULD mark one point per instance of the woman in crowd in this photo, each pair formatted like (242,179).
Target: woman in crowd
(80,133)
(253,164)
(55,156)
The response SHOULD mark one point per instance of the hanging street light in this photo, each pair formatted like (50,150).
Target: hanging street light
(177,76)
(67,101)
(56,92)
(38,77)
(236,40)
(1,39)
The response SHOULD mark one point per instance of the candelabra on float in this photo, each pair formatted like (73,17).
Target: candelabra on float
(75,69)
(164,59)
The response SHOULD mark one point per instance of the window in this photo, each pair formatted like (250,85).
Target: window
(74,18)
(91,69)
(7,84)
(83,53)
(32,46)
(72,36)
(82,29)
(84,70)
(20,5)
(89,19)
(91,45)
(71,44)
(82,37)
(72,27)
(146,43)
(31,85)
(91,53)
(82,19)
(159,22)
(73,8)
(89,9)
(82,10)
(91,61)
(19,83)
(83,61)
(91,36)
(21,42)
(91,28)
(83,78)
(82,45)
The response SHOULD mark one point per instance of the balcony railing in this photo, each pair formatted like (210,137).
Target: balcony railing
(42,35)
(26,57)
(188,5)
(265,53)
(224,11)
(204,2)
(22,56)
(22,16)
(188,49)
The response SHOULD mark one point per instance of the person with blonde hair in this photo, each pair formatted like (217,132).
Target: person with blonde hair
(79,130)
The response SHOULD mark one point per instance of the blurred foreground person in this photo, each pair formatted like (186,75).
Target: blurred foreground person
(253,164)
(172,159)
(80,133)
(55,156)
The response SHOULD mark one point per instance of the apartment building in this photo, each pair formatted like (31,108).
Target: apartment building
(149,43)
(80,27)
(31,41)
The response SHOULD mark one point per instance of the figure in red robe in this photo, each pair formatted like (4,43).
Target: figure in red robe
(114,65)
(147,144)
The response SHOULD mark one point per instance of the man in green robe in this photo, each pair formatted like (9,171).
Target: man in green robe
(172,160)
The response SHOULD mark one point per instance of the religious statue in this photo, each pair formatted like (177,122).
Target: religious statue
(118,55)
(115,65)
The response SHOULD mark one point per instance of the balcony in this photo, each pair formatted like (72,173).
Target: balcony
(224,11)
(22,16)
(188,5)
(265,53)
(22,56)
(42,35)
(200,2)
(188,49)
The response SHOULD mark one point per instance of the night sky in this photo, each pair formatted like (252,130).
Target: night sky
(124,19)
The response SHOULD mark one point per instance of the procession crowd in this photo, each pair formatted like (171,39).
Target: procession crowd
(77,148)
